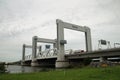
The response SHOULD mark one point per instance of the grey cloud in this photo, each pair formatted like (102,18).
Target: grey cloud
(22,19)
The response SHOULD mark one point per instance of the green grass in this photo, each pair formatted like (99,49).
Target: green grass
(109,73)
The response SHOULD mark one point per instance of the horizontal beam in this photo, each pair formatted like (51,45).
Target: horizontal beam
(30,46)
(72,26)
(45,40)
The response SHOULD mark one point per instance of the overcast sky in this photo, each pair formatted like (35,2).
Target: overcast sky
(20,20)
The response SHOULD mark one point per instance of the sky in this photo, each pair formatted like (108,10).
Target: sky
(20,20)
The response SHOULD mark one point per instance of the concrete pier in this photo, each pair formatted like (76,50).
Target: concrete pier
(34,63)
(62,64)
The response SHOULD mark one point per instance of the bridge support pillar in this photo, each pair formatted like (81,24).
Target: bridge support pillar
(34,63)
(61,62)
(23,55)
(34,51)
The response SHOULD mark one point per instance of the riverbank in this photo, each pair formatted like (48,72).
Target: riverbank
(109,73)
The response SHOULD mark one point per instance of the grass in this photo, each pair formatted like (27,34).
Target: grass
(87,73)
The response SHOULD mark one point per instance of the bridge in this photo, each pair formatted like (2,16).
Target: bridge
(49,57)
(58,56)
(113,52)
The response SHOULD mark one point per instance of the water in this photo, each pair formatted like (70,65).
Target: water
(24,69)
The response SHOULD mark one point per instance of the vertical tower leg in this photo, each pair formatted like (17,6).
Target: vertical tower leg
(55,44)
(60,62)
(88,39)
(23,55)
(34,51)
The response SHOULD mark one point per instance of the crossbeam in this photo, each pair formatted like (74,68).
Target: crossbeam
(45,40)
(71,26)
(30,46)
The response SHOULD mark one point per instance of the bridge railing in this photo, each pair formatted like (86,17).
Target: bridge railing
(47,53)
(50,53)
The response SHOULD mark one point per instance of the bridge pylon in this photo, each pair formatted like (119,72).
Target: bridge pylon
(61,61)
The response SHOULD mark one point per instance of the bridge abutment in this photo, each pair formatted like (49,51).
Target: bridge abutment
(34,63)
(61,64)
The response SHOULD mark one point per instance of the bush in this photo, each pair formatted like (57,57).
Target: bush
(2,68)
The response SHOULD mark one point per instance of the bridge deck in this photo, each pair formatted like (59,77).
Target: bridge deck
(114,52)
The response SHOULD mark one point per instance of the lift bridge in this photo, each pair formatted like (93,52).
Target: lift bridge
(58,56)
(51,53)
(47,54)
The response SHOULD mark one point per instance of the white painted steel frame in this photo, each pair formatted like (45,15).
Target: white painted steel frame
(60,36)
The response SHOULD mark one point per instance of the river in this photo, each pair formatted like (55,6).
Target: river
(25,69)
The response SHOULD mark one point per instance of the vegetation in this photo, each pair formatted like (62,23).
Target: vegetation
(109,73)
(2,67)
